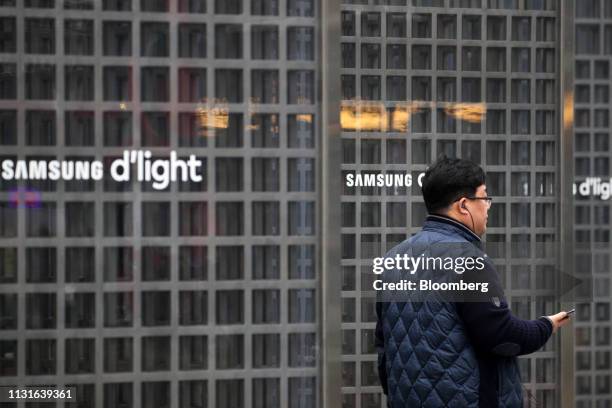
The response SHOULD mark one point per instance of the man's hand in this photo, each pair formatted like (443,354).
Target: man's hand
(558,320)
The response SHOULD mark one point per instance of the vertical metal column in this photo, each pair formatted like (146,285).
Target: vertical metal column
(566,177)
(330,210)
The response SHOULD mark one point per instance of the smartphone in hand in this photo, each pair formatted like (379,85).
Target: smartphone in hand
(569,313)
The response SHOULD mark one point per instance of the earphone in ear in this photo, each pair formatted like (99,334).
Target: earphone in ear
(471,218)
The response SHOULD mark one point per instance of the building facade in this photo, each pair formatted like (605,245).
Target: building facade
(478,80)
(592,160)
(229,292)
(199,294)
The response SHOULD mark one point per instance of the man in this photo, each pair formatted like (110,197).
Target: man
(443,353)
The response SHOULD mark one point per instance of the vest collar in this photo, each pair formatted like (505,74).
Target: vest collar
(456,225)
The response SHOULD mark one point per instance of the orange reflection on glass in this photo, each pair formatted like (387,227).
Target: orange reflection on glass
(304,118)
(375,117)
(568,110)
(468,112)
(400,117)
(361,117)
(209,119)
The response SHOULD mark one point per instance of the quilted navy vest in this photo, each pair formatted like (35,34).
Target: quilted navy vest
(427,356)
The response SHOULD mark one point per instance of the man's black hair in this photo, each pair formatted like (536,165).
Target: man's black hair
(447,180)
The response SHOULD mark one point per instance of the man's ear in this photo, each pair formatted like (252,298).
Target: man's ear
(462,207)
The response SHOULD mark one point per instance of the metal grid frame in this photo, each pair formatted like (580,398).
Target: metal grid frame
(172,196)
(540,369)
(592,340)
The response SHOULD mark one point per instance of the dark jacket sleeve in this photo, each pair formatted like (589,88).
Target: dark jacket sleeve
(492,328)
(380,348)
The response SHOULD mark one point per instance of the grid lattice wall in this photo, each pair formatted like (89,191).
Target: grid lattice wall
(201,294)
(429,58)
(592,236)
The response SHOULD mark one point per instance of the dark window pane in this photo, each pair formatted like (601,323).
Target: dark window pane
(155,353)
(117,38)
(78,37)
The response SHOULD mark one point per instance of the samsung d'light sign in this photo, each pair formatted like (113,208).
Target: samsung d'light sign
(595,187)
